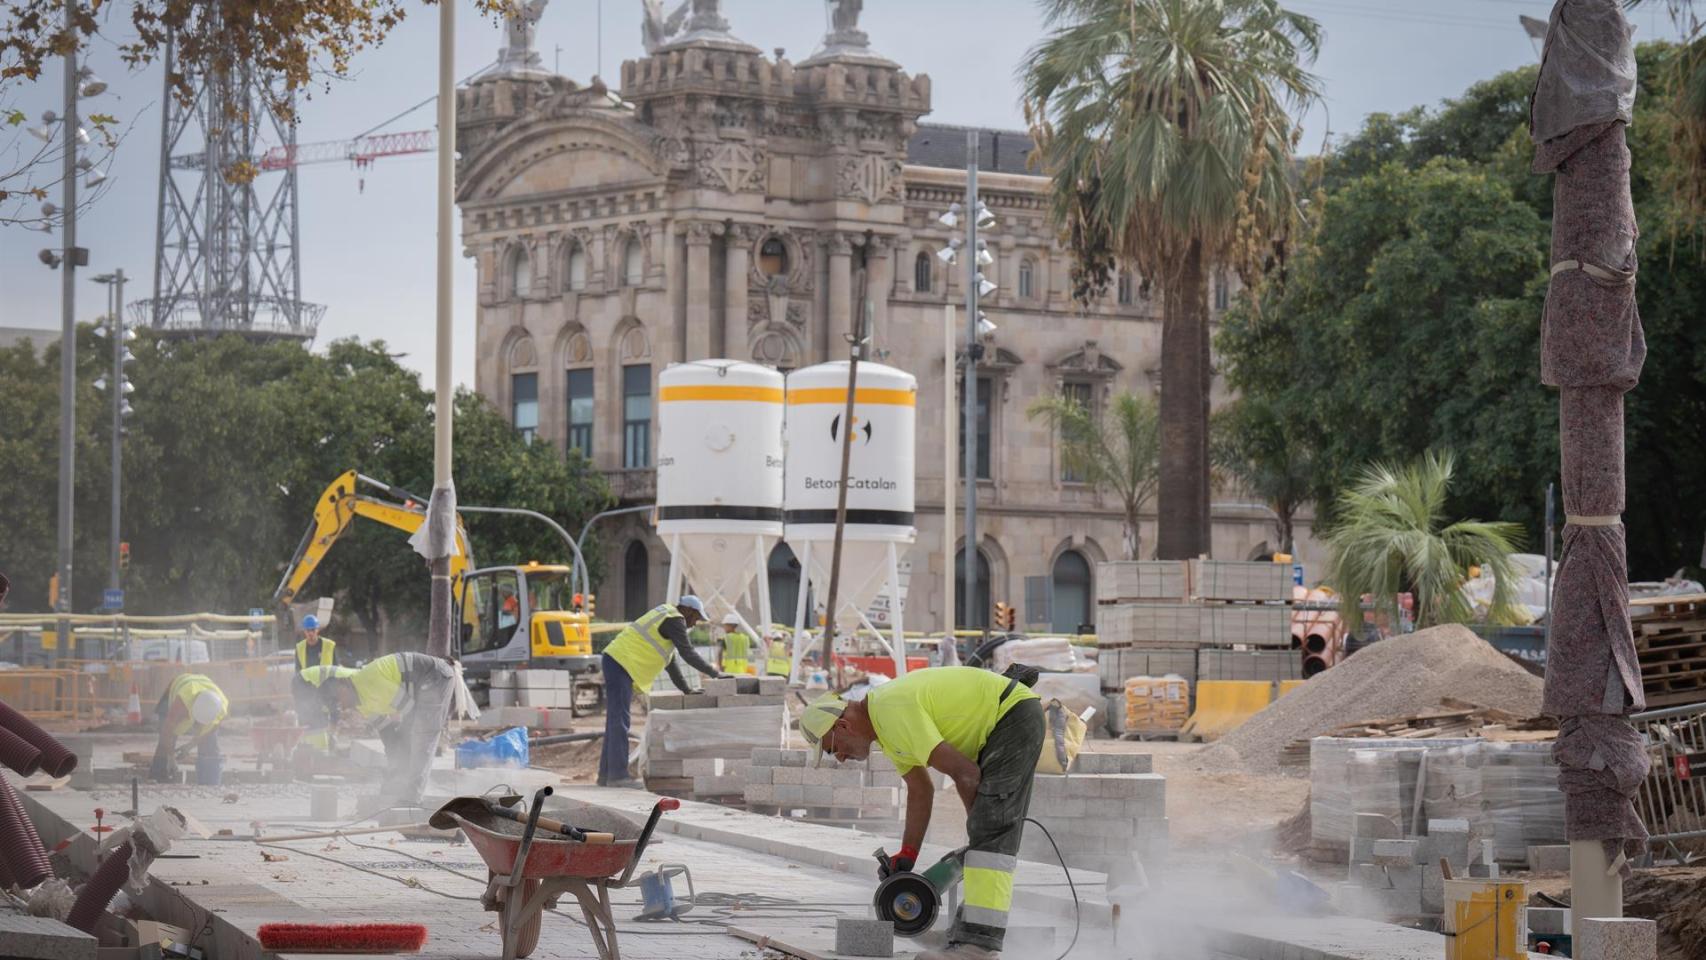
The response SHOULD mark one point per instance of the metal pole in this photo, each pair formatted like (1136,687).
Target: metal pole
(1547,626)
(969,587)
(580,541)
(438,631)
(857,343)
(950,451)
(116,328)
(68,336)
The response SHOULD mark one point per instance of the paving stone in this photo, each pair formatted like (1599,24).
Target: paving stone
(1624,938)
(1395,853)
(847,796)
(772,686)
(719,688)
(665,769)
(1549,921)
(789,775)
(819,796)
(760,793)
(790,793)
(1552,858)
(748,700)
(43,938)
(794,758)
(766,757)
(859,937)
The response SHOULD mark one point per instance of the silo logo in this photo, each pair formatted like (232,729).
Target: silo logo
(859,426)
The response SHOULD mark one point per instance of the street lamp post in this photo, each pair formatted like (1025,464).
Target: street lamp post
(118,333)
(68,328)
(443,502)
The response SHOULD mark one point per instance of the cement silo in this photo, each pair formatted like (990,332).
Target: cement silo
(879,528)
(719,481)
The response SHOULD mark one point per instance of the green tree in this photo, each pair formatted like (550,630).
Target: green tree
(1119,452)
(1266,459)
(1163,126)
(1390,536)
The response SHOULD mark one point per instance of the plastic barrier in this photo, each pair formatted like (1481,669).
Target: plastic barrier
(1223,705)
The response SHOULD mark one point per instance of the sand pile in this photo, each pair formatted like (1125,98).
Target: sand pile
(1392,678)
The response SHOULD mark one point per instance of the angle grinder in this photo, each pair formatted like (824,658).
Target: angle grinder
(911,900)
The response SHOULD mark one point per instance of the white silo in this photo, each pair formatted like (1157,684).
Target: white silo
(879,527)
(719,480)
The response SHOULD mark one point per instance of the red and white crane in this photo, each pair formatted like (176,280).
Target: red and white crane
(360,151)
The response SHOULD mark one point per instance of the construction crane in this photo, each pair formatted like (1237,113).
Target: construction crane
(360,151)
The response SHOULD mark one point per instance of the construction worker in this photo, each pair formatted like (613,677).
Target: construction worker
(192,704)
(645,648)
(407,695)
(982,729)
(312,712)
(313,650)
(778,664)
(737,646)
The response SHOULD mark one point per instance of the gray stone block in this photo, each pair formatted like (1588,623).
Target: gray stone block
(790,794)
(1552,858)
(1369,875)
(819,796)
(766,757)
(772,686)
(1549,921)
(1374,826)
(667,769)
(747,685)
(859,937)
(720,688)
(794,758)
(795,776)
(44,938)
(748,700)
(1622,938)
(1362,850)
(1405,878)
(1436,827)
(764,793)
(1395,853)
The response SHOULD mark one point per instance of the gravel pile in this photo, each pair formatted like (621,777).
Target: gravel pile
(1392,678)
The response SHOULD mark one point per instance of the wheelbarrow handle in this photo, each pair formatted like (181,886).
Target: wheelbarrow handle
(527,835)
(667,803)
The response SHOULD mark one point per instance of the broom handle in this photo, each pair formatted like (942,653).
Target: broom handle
(341,833)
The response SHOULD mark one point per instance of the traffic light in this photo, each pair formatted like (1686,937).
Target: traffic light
(124,554)
(1005,616)
(591,614)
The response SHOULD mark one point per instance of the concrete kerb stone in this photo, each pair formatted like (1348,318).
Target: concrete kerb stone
(1395,853)
(1552,858)
(861,937)
(1549,921)
(1623,938)
(44,938)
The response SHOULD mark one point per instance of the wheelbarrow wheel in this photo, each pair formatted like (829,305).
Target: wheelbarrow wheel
(528,938)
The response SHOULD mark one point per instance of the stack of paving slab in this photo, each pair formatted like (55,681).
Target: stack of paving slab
(1396,877)
(1110,807)
(537,699)
(700,745)
(1507,792)
(868,792)
(1244,604)
(1226,664)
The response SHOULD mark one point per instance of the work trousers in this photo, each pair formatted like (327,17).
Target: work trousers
(411,743)
(995,824)
(164,768)
(618,700)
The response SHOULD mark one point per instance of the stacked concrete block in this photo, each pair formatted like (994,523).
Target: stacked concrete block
(746,691)
(1272,665)
(1100,819)
(1148,625)
(1622,938)
(530,688)
(534,718)
(703,751)
(1549,921)
(716,776)
(1142,580)
(1251,624)
(869,791)
(1226,580)
(1552,858)
(1116,665)
(1386,879)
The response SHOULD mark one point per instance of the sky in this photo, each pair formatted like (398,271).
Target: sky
(367,238)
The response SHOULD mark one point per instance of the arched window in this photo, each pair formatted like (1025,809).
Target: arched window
(633,263)
(636,584)
(921,272)
(577,268)
(520,270)
(1071,592)
(1027,278)
(1125,288)
(977,616)
(784,573)
(773,257)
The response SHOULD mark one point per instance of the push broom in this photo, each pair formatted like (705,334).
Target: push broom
(343,937)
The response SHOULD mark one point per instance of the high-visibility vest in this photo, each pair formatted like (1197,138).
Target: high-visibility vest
(778,665)
(316,675)
(641,648)
(185,689)
(379,686)
(736,646)
(327,649)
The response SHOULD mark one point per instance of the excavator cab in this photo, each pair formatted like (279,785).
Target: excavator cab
(510,616)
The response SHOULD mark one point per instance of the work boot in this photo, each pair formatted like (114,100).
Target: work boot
(960,951)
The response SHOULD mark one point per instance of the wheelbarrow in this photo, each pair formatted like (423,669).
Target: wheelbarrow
(530,869)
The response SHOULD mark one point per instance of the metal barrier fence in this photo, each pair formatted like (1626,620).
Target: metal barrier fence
(1672,800)
(93,691)
(43,694)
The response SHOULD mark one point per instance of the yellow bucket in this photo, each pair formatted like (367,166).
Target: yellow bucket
(1485,920)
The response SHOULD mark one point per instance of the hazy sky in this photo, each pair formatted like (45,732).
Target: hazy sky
(368,253)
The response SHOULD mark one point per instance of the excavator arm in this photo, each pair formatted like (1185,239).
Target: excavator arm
(338,507)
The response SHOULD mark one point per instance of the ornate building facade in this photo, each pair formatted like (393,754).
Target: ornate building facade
(727,203)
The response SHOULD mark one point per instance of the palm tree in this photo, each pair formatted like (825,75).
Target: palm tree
(1163,126)
(1120,452)
(1389,537)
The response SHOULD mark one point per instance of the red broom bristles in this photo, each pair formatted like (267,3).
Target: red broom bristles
(343,937)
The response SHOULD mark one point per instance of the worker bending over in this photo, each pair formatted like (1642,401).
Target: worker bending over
(407,696)
(982,729)
(778,665)
(192,705)
(645,648)
(737,647)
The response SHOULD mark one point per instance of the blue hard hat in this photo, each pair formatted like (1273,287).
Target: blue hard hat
(310,622)
(692,603)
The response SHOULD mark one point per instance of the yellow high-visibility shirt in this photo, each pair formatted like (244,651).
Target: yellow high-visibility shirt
(641,647)
(185,689)
(379,685)
(959,705)
(326,650)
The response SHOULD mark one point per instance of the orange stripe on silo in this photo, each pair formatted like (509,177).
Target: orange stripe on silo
(720,392)
(895,398)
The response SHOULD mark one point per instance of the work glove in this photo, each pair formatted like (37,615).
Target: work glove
(901,862)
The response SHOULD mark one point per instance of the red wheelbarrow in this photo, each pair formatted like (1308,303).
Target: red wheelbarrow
(529,869)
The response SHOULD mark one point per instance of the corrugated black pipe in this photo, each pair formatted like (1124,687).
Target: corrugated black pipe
(92,900)
(20,845)
(55,759)
(18,753)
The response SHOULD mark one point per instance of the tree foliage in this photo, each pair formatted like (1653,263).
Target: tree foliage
(1390,536)
(230,446)
(1266,459)
(1118,451)
(1410,318)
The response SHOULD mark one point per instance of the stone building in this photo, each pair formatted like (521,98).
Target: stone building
(726,203)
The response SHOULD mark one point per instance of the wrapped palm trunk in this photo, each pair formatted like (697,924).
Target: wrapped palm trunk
(1592,349)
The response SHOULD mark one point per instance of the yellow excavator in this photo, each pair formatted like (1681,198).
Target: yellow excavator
(521,616)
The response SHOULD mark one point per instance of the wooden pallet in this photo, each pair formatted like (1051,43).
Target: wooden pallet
(1670,645)
(1453,719)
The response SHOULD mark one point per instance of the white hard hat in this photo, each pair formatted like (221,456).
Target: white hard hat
(731,621)
(692,603)
(207,708)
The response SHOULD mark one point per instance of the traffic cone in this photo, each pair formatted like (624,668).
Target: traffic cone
(133,711)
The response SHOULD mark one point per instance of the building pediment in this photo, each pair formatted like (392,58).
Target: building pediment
(1089,361)
(574,149)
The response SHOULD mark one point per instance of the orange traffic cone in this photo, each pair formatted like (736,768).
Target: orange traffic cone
(133,711)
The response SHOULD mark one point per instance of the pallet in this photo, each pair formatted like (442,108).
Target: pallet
(1670,646)
(1147,735)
